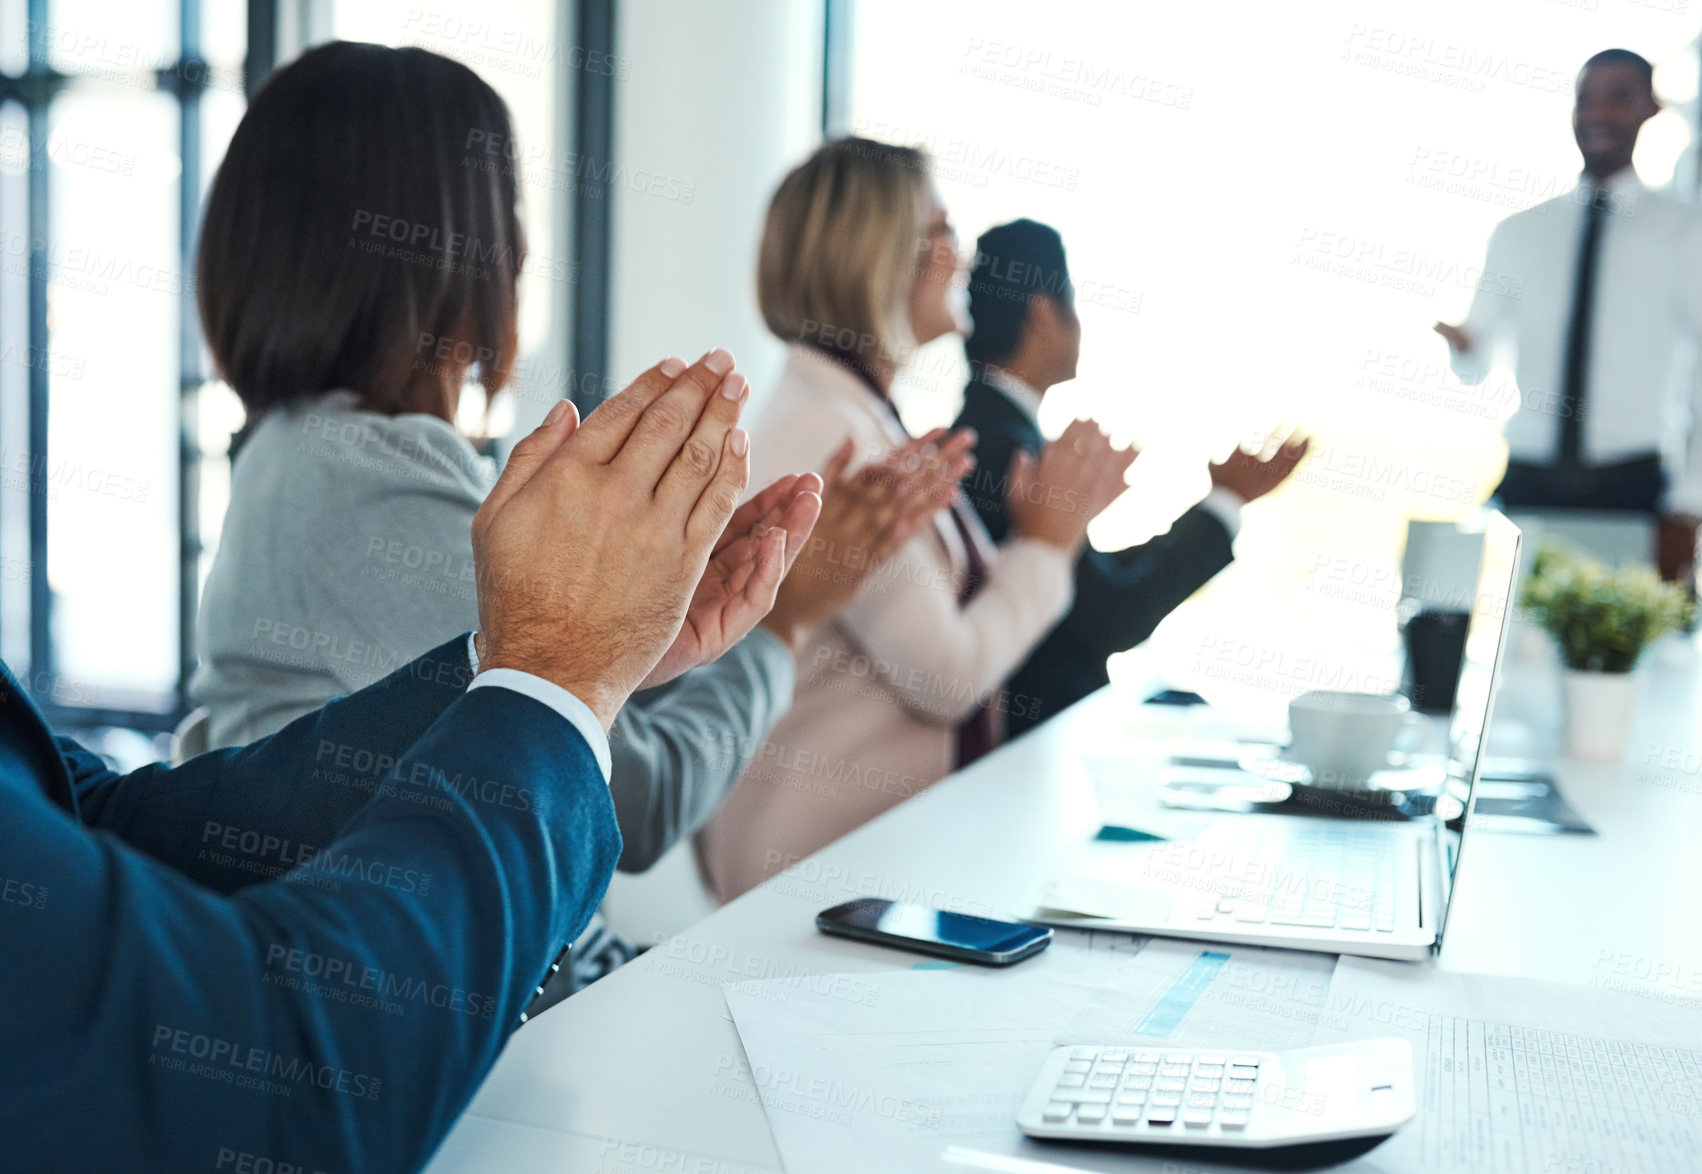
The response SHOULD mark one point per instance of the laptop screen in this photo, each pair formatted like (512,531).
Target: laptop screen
(1486,638)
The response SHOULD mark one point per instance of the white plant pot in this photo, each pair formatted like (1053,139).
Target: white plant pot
(1600,708)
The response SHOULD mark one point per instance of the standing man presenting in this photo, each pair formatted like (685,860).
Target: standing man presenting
(1026,339)
(1603,330)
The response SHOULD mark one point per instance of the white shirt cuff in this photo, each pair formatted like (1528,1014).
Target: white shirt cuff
(1225,505)
(577,713)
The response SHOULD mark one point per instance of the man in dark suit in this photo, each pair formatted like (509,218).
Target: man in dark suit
(1026,339)
(306,953)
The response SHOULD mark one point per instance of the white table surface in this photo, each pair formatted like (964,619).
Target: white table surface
(641,1071)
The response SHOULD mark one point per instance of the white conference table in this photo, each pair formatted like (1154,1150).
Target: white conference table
(633,1073)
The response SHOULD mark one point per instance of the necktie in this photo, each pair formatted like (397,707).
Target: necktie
(1573,377)
(982,730)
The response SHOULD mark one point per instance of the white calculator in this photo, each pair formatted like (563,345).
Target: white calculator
(1212,1097)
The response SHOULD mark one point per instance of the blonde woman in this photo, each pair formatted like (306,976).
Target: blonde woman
(857,268)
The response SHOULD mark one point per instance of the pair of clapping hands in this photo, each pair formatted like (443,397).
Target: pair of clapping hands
(613,555)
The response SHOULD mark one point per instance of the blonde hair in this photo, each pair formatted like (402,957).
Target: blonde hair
(840,249)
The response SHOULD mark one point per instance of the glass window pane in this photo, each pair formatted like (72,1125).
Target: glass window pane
(111,37)
(221,110)
(14,36)
(224,34)
(113,304)
(220,415)
(513,45)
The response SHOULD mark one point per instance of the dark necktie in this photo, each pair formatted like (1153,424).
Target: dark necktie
(982,730)
(1574,383)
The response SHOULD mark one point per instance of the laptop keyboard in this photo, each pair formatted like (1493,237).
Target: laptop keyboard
(1320,877)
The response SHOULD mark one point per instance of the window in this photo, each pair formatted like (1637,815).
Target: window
(113,115)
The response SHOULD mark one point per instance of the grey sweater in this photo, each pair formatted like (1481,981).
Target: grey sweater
(347,551)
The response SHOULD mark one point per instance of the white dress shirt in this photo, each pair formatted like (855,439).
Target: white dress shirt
(1223,504)
(1640,392)
(549,693)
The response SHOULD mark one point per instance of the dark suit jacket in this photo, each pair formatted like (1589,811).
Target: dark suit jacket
(1120,597)
(305,951)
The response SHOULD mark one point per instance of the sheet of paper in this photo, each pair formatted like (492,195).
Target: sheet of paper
(924,1070)
(1516,1075)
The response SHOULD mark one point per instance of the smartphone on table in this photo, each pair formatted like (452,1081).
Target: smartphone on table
(929,931)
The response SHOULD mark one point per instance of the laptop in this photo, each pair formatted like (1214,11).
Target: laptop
(1379,888)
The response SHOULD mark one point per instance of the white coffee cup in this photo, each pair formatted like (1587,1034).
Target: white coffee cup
(1344,737)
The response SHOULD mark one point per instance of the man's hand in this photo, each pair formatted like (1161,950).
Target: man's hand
(866,518)
(595,537)
(755,552)
(1250,476)
(1076,476)
(1675,547)
(1456,336)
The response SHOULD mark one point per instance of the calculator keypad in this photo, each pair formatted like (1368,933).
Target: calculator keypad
(1155,1091)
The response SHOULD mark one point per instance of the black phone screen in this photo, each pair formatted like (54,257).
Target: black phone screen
(918,924)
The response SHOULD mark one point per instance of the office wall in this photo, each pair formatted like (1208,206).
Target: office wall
(717,102)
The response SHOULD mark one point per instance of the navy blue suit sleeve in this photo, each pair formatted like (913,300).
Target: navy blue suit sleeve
(1122,596)
(239,816)
(336,1020)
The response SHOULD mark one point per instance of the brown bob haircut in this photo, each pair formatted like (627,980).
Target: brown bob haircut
(363,234)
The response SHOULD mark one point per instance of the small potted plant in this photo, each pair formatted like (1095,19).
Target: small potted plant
(1602,620)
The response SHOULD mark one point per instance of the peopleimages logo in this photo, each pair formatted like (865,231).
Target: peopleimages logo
(1400,267)
(420,237)
(346,981)
(1078,79)
(90,270)
(252,1066)
(1449,63)
(18,892)
(244,1162)
(423,776)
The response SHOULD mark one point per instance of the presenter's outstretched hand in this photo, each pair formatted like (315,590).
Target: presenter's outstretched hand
(1456,336)
(1250,475)
(1675,547)
(592,543)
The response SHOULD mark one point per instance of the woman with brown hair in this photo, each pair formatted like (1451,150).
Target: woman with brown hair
(358,266)
(857,268)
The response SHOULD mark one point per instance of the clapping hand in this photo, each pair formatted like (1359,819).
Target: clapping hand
(589,545)
(866,518)
(1052,498)
(1250,476)
(750,560)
